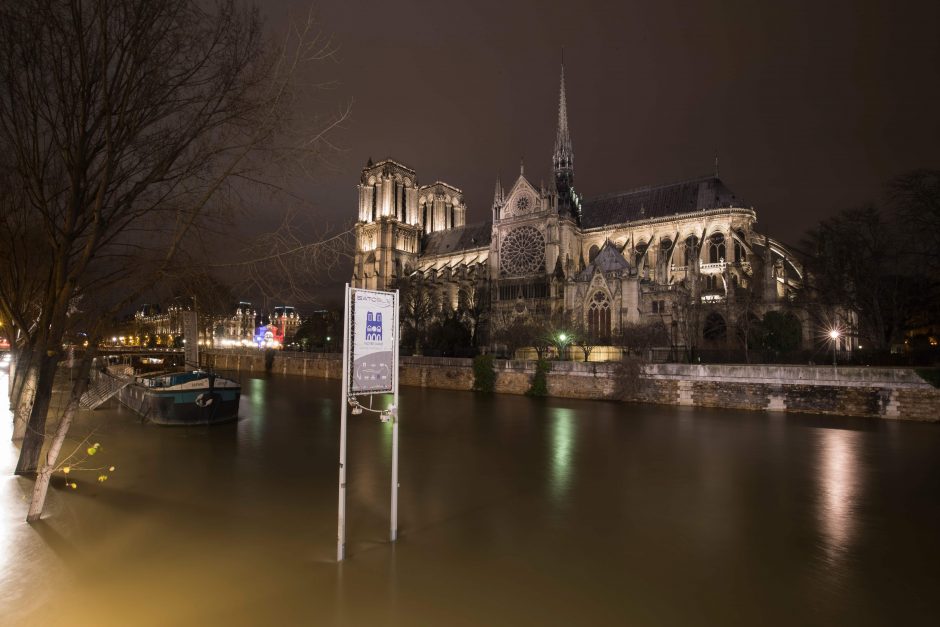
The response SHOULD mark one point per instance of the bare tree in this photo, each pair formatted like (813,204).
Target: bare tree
(640,337)
(858,265)
(915,196)
(743,308)
(515,332)
(125,122)
(584,338)
(687,314)
(473,307)
(417,309)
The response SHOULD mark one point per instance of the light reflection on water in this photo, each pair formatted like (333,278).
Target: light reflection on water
(840,486)
(512,512)
(562,433)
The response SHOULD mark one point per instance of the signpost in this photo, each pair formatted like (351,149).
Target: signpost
(370,366)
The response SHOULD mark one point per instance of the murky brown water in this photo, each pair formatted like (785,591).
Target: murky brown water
(513,512)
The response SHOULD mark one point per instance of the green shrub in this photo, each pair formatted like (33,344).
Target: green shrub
(484,374)
(539,385)
(627,378)
(930,375)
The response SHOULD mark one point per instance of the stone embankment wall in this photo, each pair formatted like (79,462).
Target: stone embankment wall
(893,393)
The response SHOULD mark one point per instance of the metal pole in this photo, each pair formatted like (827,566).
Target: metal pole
(394,515)
(344,402)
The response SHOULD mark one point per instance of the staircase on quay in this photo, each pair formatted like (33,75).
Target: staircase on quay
(101,389)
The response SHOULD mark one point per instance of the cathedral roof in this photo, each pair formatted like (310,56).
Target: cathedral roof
(607,260)
(462,238)
(657,202)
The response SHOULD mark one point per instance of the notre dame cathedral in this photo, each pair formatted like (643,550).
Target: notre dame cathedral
(600,262)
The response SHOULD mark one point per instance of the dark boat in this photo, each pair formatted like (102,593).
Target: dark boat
(183,398)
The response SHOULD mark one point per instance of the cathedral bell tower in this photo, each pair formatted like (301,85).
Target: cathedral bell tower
(389,228)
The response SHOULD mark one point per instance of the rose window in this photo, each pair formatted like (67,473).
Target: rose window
(523,251)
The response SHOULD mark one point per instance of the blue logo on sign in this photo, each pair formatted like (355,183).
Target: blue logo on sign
(374,326)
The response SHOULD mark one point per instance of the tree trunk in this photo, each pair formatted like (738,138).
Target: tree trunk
(24,391)
(36,427)
(41,487)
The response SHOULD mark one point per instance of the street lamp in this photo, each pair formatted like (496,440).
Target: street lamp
(563,340)
(834,335)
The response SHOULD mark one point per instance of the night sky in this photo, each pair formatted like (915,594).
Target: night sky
(810,105)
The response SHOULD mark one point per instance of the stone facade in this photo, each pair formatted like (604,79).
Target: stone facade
(597,263)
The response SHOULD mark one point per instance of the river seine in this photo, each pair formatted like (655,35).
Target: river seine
(513,511)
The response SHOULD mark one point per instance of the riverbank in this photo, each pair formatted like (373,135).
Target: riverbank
(889,393)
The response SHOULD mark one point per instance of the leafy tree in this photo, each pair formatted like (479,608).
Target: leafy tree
(313,331)
(484,374)
(539,386)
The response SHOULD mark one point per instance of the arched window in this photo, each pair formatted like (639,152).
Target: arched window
(598,315)
(592,254)
(715,329)
(375,201)
(716,248)
(691,247)
(404,205)
(640,252)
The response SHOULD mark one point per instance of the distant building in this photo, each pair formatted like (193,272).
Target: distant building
(153,326)
(287,319)
(240,327)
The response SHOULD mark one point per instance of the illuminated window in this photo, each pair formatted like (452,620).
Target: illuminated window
(716,248)
(599,315)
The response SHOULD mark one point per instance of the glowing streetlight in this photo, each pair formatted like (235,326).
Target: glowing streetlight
(834,335)
(563,339)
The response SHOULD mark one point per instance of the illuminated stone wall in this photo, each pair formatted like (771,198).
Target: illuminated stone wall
(890,393)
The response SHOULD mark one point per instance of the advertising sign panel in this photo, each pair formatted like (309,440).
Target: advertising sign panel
(373,342)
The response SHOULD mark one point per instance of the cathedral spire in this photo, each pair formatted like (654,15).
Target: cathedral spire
(563,157)
(568,203)
(498,195)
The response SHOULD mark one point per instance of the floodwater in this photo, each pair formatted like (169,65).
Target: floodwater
(512,512)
